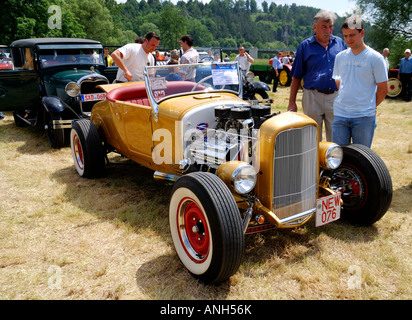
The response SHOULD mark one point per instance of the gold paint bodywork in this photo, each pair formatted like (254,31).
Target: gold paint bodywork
(129,129)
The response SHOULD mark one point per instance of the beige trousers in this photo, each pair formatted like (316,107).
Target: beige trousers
(319,107)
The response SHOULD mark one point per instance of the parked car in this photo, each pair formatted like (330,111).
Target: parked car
(237,168)
(6,64)
(53,82)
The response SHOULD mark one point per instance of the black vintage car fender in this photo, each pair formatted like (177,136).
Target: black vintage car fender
(260,85)
(53,104)
(250,90)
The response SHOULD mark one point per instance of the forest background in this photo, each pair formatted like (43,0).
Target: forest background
(218,23)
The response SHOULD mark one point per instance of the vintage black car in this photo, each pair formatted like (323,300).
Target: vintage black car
(52,82)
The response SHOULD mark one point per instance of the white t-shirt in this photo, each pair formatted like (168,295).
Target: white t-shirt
(244,63)
(135,59)
(358,75)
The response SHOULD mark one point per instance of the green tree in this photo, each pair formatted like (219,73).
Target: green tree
(95,17)
(148,27)
(199,32)
(173,26)
(392,16)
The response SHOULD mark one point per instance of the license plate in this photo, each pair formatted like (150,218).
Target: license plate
(93,97)
(328,209)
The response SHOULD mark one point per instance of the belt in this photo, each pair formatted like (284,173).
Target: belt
(323,91)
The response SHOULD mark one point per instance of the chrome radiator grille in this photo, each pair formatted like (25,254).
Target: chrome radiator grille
(295,171)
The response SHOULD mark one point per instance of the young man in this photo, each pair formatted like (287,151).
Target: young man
(133,57)
(362,80)
(314,64)
(190,55)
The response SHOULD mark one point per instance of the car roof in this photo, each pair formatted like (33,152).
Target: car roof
(34,41)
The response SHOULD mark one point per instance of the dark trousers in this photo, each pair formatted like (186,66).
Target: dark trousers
(406,86)
(275,80)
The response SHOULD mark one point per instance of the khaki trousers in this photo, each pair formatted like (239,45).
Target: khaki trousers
(319,106)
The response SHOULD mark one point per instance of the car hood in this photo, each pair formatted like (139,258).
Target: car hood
(176,108)
(72,75)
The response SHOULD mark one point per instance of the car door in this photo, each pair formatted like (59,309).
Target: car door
(138,130)
(19,87)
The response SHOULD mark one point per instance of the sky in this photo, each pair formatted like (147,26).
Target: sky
(337,6)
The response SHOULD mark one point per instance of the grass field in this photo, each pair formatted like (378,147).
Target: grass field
(64,237)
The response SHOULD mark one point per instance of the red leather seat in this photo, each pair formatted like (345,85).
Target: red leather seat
(135,93)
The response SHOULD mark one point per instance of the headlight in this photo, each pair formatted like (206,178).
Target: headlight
(72,89)
(333,156)
(250,76)
(243,179)
(240,177)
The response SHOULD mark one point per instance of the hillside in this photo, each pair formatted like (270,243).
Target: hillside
(219,23)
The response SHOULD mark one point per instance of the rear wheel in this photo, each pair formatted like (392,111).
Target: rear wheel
(206,227)
(394,88)
(285,78)
(87,149)
(366,183)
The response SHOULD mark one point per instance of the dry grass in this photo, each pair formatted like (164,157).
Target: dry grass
(64,237)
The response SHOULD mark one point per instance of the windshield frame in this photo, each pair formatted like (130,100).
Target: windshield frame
(149,71)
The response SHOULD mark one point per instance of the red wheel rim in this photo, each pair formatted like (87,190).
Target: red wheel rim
(78,152)
(194,233)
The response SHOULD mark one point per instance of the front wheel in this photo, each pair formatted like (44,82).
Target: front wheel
(87,149)
(260,95)
(206,227)
(365,183)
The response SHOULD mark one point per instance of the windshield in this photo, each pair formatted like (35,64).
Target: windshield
(170,80)
(57,57)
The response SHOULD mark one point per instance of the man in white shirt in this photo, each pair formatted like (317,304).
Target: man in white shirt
(244,59)
(133,57)
(361,77)
(190,56)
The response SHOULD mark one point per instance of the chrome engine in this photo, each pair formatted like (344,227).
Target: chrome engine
(232,136)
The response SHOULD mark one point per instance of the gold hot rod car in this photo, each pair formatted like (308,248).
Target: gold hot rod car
(237,168)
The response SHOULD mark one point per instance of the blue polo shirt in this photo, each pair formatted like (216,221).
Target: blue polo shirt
(406,65)
(314,63)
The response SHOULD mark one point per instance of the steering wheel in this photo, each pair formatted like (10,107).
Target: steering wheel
(201,81)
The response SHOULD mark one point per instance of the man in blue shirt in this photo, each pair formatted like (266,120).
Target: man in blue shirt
(362,80)
(405,75)
(313,63)
(277,68)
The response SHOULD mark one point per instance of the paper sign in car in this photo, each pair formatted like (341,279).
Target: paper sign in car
(224,74)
